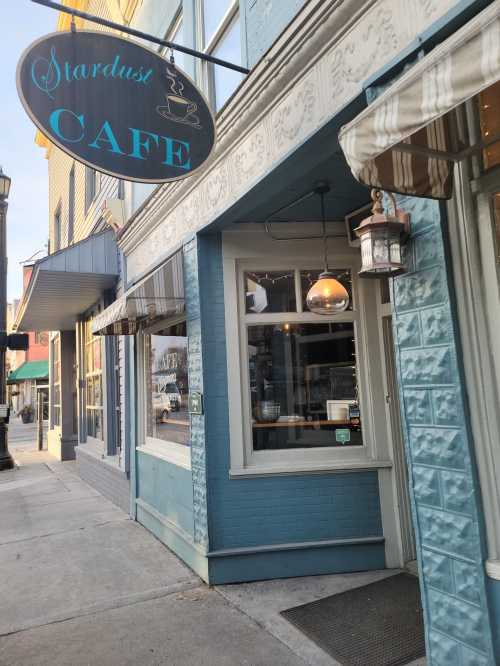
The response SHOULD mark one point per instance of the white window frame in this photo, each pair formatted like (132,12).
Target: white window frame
(172,452)
(55,343)
(244,460)
(90,439)
(207,72)
(475,275)
(170,35)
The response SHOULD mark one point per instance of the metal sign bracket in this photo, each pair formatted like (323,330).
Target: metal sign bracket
(137,33)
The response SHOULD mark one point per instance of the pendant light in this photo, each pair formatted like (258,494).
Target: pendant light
(327,296)
(382,236)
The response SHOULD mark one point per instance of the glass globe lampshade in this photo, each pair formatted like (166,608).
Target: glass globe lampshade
(327,295)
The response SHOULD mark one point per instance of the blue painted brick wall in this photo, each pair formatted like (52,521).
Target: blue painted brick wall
(275,509)
(445,493)
(167,488)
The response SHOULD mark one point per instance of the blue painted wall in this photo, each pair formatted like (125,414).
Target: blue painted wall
(172,500)
(244,513)
(167,488)
(265,20)
(494,598)
(445,492)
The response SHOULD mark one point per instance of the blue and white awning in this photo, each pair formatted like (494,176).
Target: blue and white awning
(408,140)
(158,296)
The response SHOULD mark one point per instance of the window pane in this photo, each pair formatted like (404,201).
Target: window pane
(97,353)
(167,387)
(270,291)
(309,277)
(98,424)
(226,80)
(213,13)
(177,36)
(303,386)
(496,222)
(93,379)
(489,104)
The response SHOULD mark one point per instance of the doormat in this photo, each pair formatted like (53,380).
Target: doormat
(380,624)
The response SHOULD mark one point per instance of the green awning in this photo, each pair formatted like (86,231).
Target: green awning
(29,370)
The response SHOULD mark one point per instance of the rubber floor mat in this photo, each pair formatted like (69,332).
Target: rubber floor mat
(380,624)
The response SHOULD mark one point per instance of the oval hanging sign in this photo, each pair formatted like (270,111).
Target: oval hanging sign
(116,106)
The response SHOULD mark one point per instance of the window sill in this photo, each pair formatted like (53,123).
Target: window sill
(296,468)
(171,452)
(493,569)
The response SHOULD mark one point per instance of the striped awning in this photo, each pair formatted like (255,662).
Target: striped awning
(158,296)
(409,138)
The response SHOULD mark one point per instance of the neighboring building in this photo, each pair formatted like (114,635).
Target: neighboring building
(28,371)
(233,404)
(10,355)
(67,289)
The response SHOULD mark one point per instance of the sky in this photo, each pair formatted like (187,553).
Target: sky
(21,22)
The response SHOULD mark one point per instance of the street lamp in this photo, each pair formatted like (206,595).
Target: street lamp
(6,460)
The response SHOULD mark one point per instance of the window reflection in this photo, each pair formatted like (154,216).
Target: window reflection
(93,381)
(303,385)
(270,291)
(489,102)
(226,80)
(167,386)
(213,13)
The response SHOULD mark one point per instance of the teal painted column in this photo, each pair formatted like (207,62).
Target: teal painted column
(195,369)
(444,487)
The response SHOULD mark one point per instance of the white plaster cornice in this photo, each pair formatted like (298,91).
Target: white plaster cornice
(314,69)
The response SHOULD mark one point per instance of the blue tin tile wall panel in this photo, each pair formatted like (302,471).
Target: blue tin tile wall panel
(265,20)
(445,493)
(195,370)
(275,509)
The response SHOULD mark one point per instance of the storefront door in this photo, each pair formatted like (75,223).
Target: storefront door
(399,453)
(400,468)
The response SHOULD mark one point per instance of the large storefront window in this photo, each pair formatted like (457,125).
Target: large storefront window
(166,382)
(489,103)
(302,374)
(93,382)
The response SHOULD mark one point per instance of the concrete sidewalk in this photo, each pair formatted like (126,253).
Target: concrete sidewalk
(83,584)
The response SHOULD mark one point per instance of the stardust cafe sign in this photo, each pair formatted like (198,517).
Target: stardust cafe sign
(116,106)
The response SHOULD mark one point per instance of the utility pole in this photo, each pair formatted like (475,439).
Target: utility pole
(6,460)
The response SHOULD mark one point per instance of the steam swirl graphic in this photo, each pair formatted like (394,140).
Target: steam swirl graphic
(178,108)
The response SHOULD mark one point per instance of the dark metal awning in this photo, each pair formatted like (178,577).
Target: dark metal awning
(408,140)
(158,296)
(65,284)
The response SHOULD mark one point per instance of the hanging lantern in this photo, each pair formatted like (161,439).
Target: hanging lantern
(381,239)
(327,296)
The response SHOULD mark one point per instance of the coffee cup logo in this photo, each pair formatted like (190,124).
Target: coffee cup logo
(177,108)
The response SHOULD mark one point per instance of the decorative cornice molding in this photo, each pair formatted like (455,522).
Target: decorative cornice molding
(314,69)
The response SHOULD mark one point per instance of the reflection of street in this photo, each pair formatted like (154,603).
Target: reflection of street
(175,428)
